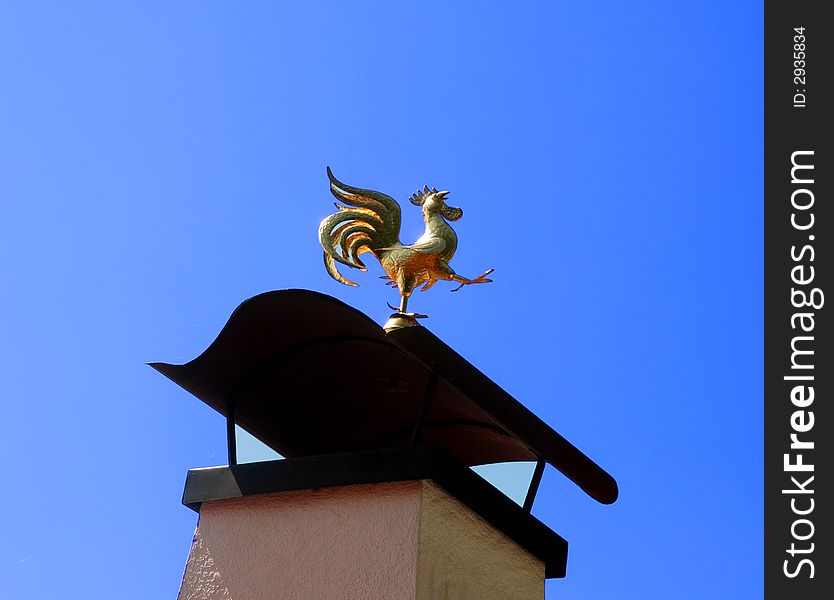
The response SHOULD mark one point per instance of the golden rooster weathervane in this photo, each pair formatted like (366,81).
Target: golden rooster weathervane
(371,223)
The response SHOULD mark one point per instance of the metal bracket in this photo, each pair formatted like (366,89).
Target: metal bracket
(534,485)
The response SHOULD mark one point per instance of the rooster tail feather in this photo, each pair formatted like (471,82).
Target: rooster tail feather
(370,205)
(367,221)
(330,265)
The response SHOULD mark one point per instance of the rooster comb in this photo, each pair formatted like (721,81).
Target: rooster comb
(419,197)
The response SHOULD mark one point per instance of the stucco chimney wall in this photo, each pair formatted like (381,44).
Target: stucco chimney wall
(389,541)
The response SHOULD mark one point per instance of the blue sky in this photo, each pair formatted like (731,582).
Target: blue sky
(163,162)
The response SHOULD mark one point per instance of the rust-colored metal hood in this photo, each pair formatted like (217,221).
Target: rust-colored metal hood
(309,375)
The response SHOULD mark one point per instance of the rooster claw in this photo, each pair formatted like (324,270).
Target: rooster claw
(399,313)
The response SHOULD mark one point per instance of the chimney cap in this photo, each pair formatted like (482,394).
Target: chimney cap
(309,375)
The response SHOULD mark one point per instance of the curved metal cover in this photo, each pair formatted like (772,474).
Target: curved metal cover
(310,375)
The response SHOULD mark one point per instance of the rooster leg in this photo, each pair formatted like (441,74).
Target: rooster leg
(405,283)
(482,278)
(400,313)
(403,305)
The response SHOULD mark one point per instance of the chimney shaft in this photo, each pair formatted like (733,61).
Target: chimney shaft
(387,541)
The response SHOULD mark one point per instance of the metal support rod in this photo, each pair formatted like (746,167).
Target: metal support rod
(424,407)
(534,485)
(231,434)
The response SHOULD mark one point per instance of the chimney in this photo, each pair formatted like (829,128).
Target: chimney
(375,499)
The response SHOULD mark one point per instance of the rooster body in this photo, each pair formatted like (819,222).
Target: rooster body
(369,222)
